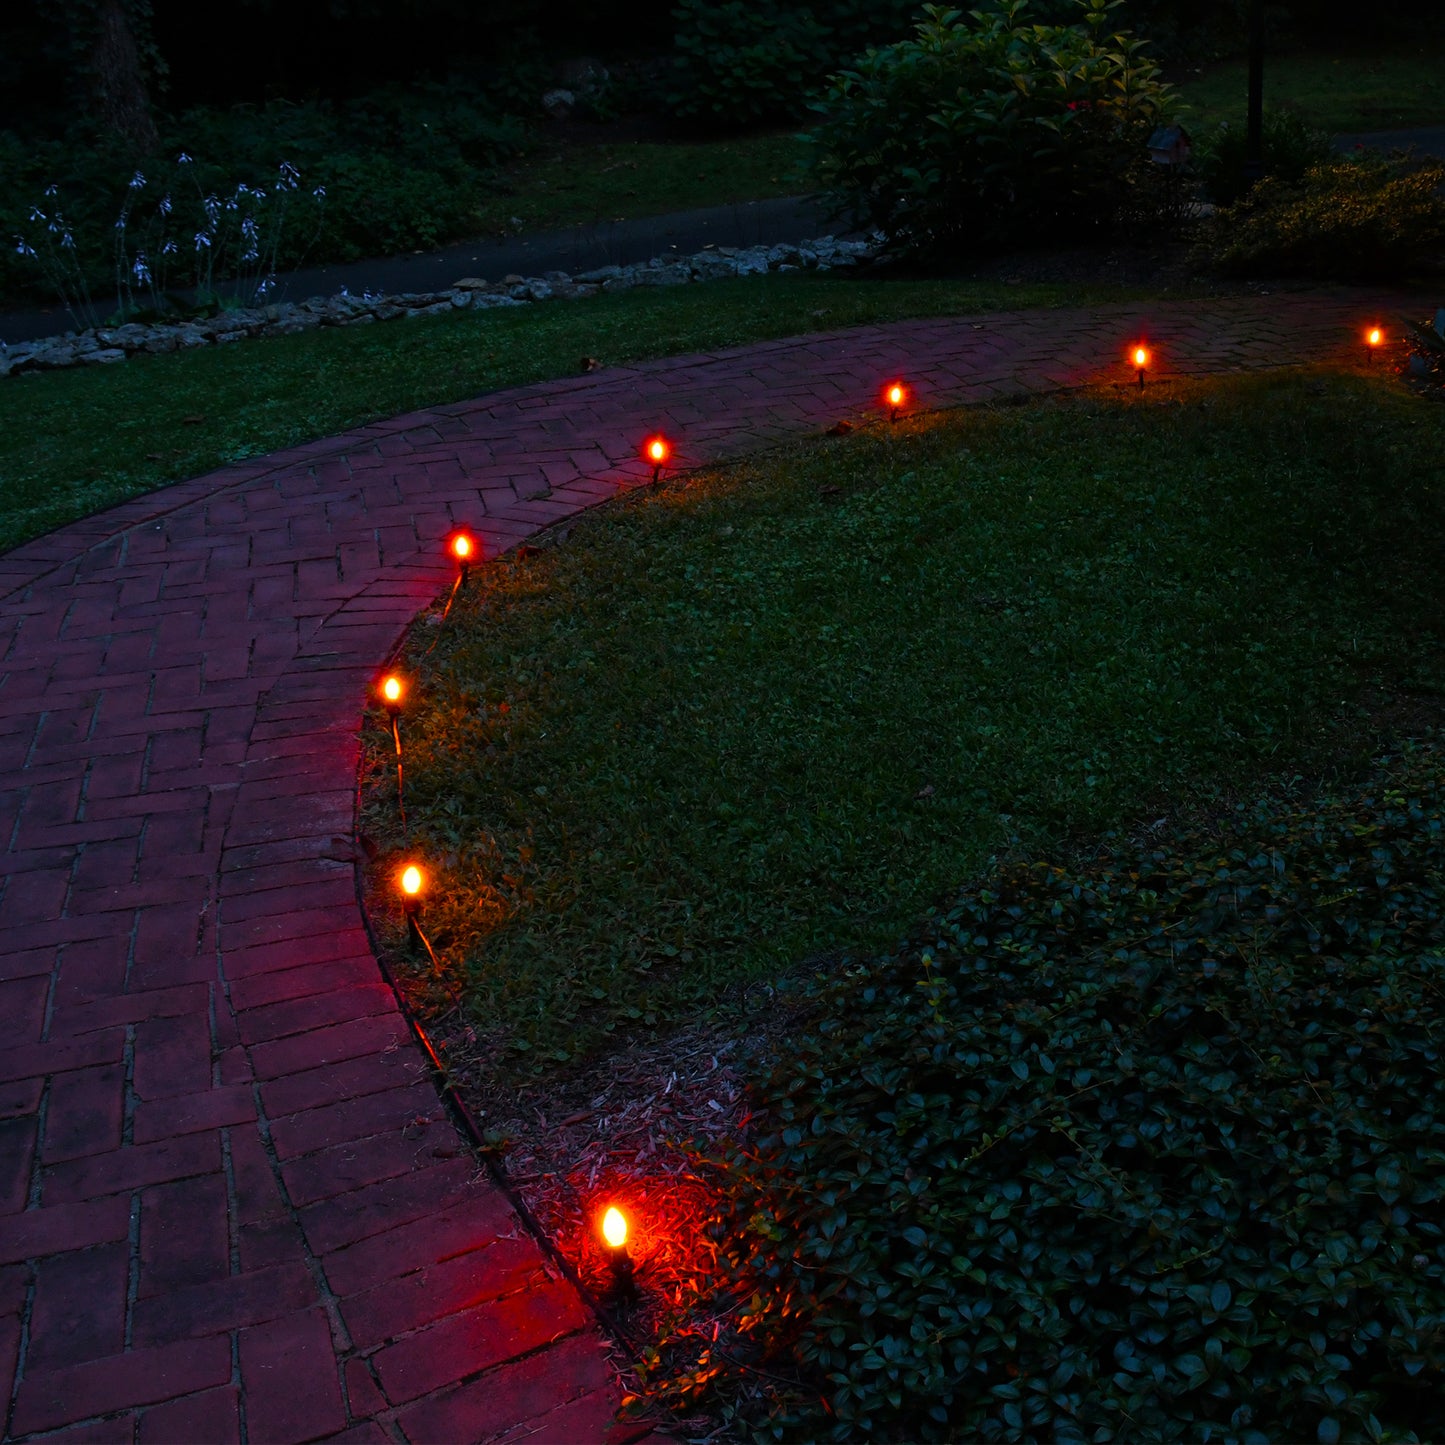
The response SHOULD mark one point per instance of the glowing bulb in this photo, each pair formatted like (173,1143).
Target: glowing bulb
(614,1228)
(1376,336)
(391,689)
(895,395)
(1141,357)
(462,547)
(657,451)
(411,881)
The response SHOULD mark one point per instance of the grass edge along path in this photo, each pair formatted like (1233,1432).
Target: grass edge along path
(81,440)
(659,763)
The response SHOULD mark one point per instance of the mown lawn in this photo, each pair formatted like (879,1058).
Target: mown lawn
(1380,88)
(75,442)
(771,713)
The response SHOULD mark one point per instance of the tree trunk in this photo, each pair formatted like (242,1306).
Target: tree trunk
(118,79)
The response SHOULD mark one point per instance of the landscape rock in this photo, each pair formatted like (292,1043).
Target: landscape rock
(104,346)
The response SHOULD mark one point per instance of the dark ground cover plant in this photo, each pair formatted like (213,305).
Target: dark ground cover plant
(989,129)
(1360,218)
(1144,1143)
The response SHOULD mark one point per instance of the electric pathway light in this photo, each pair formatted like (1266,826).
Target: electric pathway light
(1140,357)
(413,882)
(657,451)
(895,395)
(1374,339)
(614,1235)
(391,695)
(464,549)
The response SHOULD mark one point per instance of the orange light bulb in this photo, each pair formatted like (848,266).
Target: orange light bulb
(895,395)
(1375,336)
(462,547)
(657,451)
(1141,357)
(411,881)
(614,1228)
(391,689)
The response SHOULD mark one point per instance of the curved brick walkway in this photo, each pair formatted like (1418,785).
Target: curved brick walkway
(231,1206)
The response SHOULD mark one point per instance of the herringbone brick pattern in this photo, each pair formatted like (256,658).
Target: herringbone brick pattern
(231,1206)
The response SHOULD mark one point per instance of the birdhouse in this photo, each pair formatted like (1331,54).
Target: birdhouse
(1170,146)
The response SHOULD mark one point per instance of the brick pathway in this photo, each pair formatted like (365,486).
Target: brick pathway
(231,1206)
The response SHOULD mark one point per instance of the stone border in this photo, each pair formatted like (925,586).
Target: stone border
(100,346)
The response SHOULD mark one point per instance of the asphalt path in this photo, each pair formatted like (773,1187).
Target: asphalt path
(578,248)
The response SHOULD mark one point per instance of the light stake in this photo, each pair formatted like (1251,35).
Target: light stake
(656,450)
(1374,339)
(1141,360)
(463,549)
(391,690)
(413,881)
(614,1235)
(895,396)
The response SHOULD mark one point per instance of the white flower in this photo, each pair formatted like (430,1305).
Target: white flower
(183,159)
(202,240)
(68,241)
(36,214)
(141,271)
(319,193)
(169,249)
(22,248)
(52,189)
(137,181)
(165,205)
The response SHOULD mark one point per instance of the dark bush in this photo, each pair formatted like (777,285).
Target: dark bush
(992,130)
(1147,1147)
(742,64)
(1289,147)
(1361,219)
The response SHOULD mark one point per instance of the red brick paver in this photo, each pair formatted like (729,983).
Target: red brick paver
(231,1206)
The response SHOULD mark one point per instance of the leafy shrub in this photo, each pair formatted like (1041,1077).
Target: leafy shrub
(1360,219)
(1289,147)
(976,133)
(742,64)
(1151,1147)
(402,169)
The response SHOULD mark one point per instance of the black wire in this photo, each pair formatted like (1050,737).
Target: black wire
(400,793)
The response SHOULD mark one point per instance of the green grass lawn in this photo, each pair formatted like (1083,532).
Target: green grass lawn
(1373,89)
(775,711)
(77,441)
(562,183)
